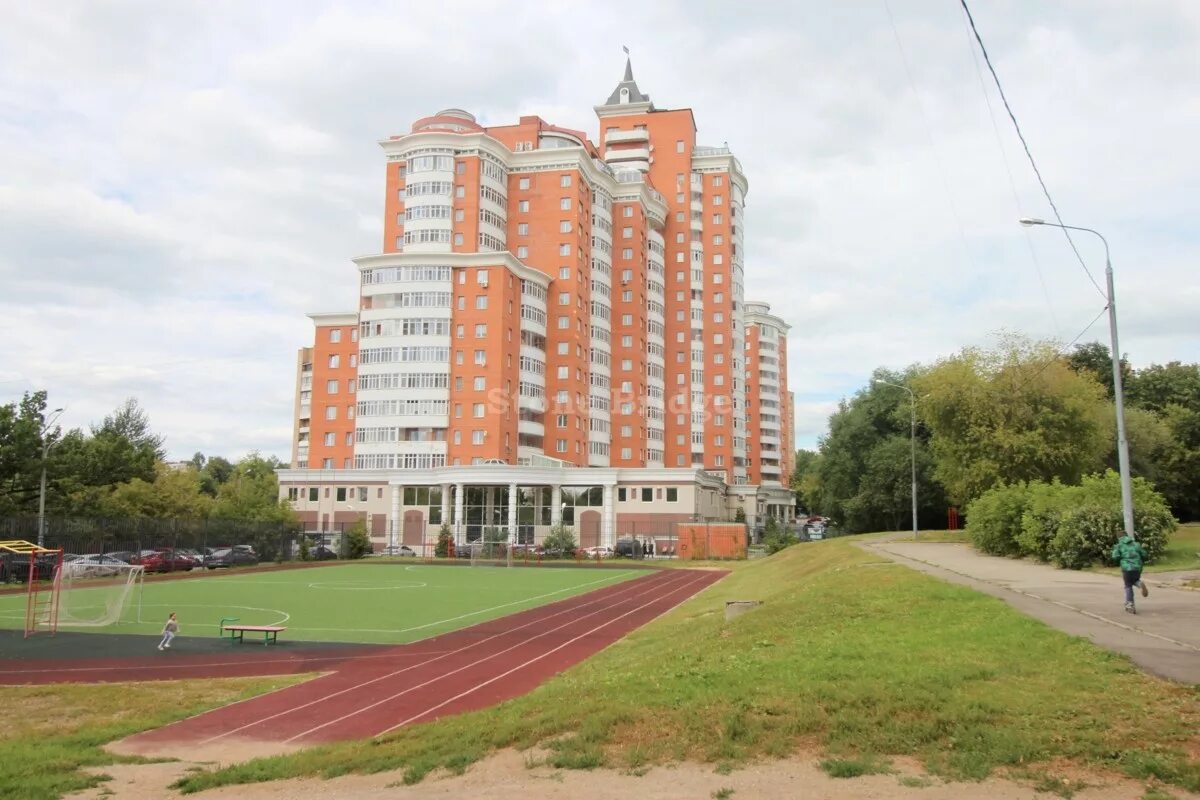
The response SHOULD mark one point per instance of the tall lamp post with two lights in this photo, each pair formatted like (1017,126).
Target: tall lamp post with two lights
(47,445)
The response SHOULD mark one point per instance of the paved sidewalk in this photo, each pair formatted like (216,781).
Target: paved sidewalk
(1163,638)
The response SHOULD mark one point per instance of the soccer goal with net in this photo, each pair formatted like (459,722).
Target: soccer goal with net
(92,595)
(491,553)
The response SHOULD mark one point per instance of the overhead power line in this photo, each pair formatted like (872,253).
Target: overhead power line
(1007,107)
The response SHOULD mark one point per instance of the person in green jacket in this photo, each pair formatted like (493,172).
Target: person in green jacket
(1131,555)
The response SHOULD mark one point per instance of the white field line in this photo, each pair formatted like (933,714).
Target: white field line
(394,673)
(502,675)
(479,661)
(197,664)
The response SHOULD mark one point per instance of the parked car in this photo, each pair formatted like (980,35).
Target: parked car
(163,561)
(630,548)
(604,551)
(322,553)
(15,567)
(398,550)
(230,557)
(95,566)
(122,555)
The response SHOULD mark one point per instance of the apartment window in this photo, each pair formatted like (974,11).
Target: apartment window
(477,410)
(564,372)
(522,251)
(458,410)
(718,219)
(523,206)
(627,295)
(330,439)
(480,383)
(327,464)
(523,229)
(481,301)
(718,200)
(564,226)
(647,494)
(458,356)
(564,298)
(626,275)
(718,180)
(331,387)
(481,357)
(458,384)
(561,446)
(565,181)
(523,183)
(460,191)
(626,363)
(335,335)
(477,437)
(718,258)
(462,302)
(564,323)
(718,277)
(458,238)
(564,204)
(621,495)
(458,215)
(351,385)
(564,273)
(627,232)
(564,348)
(627,319)
(626,454)
(458,437)
(335,362)
(330,412)
(627,211)
(564,249)
(719,419)
(561,420)
(679,240)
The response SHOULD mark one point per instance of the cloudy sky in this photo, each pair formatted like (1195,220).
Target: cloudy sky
(180,183)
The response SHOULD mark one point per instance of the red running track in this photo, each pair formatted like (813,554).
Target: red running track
(460,671)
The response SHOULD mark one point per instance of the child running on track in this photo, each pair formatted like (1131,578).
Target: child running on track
(169,631)
(1132,555)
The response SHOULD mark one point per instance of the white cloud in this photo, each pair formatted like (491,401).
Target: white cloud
(180,184)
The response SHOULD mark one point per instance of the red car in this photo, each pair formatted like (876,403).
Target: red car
(163,561)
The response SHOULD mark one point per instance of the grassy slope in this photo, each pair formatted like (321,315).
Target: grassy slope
(50,732)
(854,658)
(367,602)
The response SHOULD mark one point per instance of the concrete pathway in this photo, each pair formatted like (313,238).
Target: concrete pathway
(1163,638)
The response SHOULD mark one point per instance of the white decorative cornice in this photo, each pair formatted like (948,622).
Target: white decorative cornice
(455,260)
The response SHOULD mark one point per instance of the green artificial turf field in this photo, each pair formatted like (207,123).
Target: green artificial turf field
(384,603)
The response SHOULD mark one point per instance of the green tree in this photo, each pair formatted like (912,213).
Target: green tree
(174,493)
(252,493)
(1160,386)
(805,480)
(1017,412)
(445,537)
(1095,359)
(21,452)
(215,473)
(560,540)
(357,542)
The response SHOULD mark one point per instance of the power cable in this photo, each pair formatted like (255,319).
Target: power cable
(1025,144)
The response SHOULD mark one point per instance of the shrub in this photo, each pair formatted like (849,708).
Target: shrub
(305,549)
(445,537)
(560,540)
(994,519)
(1047,502)
(1091,526)
(357,543)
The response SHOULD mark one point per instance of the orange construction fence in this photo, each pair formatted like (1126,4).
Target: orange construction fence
(711,540)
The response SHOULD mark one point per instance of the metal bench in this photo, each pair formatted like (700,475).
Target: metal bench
(270,632)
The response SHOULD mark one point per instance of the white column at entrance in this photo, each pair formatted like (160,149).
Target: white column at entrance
(458,512)
(394,527)
(555,506)
(512,513)
(445,504)
(608,519)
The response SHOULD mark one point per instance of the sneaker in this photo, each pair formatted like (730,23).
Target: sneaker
(1145,588)
(160,647)
(168,644)
(1129,607)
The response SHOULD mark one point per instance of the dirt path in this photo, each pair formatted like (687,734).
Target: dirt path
(506,776)
(1163,638)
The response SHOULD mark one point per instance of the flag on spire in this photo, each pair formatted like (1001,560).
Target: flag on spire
(626,49)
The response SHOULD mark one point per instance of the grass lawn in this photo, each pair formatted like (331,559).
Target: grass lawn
(860,661)
(50,732)
(1183,551)
(357,602)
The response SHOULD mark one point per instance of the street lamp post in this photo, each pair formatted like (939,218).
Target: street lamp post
(912,446)
(46,445)
(1118,389)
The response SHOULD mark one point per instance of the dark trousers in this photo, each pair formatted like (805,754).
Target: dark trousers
(1132,578)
